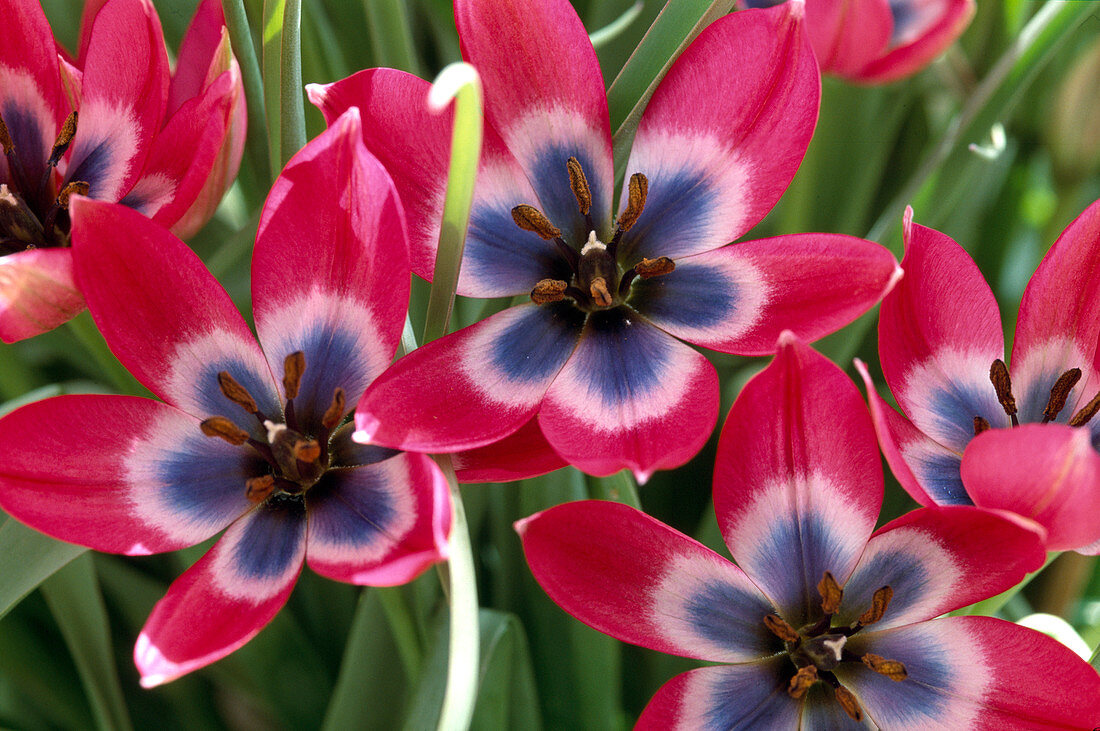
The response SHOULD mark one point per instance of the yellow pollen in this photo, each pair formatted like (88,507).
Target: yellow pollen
(892,669)
(831,594)
(1086,413)
(980,425)
(635,201)
(257,489)
(848,702)
(1059,392)
(306,450)
(780,628)
(5,138)
(294,365)
(880,600)
(548,290)
(579,183)
(648,268)
(236,393)
(801,682)
(532,219)
(336,409)
(219,426)
(600,294)
(64,138)
(76,187)
(1002,384)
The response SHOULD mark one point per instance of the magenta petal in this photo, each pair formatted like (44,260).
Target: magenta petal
(37,292)
(197,51)
(1049,473)
(630,397)
(739,298)
(124,93)
(939,331)
(174,337)
(798,482)
(747,696)
(927,470)
(472,387)
(380,524)
(974,673)
(1059,323)
(848,34)
(546,109)
(724,133)
(939,559)
(330,271)
(118,474)
(630,576)
(222,601)
(522,454)
(922,32)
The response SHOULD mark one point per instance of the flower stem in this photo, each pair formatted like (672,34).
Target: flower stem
(619,487)
(283,101)
(241,38)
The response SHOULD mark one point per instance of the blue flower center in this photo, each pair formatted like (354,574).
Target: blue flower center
(1059,395)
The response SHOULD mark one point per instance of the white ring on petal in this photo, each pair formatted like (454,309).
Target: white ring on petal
(102,123)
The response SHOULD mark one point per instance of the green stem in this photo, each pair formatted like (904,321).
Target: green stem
(391,35)
(283,101)
(405,636)
(620,487)
(240,36)
(83,327)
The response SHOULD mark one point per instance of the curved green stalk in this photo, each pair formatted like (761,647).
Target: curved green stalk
(240,36)
(283,100)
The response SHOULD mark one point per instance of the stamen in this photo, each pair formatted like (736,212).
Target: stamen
(1089,410)
(1002,384)
(236,393)
(848,702)
(306,450)
(600,294)
(1059,393)
(294,365)
(579,183)
(648,268)
(980,425)
(219,426)
(879,602)
(64,139)
(548,290)
(336,410)
(532,219)
(5,138)
(831,594)
(779,627)
(76,187)
(257,489)
(635,202)
(890,668)
(801,682)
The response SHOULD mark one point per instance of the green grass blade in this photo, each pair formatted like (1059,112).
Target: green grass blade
(240,36)
(612,30)
(391,35)
(27,558)
(283,99)
(77,606)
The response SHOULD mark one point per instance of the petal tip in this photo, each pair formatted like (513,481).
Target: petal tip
(895,277)
(316,93)
(154,668)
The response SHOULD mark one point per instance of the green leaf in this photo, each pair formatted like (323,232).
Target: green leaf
(73,596)
(391,35)
(27,558)
(240,37)
(283,100)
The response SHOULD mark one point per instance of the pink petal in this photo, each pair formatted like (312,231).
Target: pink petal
(37,292)
(630,397)
(739,298)
(524,453)
(939,331)
(798,481)
(118,474)
(124,92)
(724,133)
(1059,323)
(927,470)
(472,387)
(1048,473)
(198,49)
(222,601)
(939,559)
(916,44)
(746,696)
(545,108)
(174,337)
(627,575)
(975,673)
(31,102)
(381,524)
(848,34)
(330,271)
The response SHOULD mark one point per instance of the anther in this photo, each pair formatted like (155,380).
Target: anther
(306,450)
(637,190)
(831,594)
(880,600)
(890,668)
(257,489)
(980,425)
(532,219)
(548,290)
(648,268)
(76,187)
(219,426)
(1086,413)
(1059,393)
(5,138)
(600,294)
(778,627)
(848,702)
(579,183)
(236,393)
(336,410)
(1002,384)
(64,139)
(801,681)
(294,365)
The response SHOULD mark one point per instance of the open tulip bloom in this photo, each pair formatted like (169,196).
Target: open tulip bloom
(877,41)
(113,125)
(590,369)
(824,622)
(231,446)
(1019,437)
